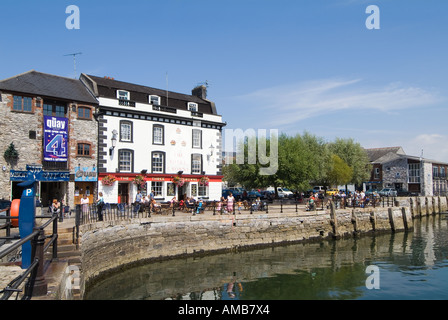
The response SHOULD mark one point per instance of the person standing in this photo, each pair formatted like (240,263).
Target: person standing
(85,204)
(230,201)
(100,205)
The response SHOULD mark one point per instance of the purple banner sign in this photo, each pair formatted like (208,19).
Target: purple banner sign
(55,139)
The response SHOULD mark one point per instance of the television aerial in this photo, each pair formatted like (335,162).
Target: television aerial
(74,59)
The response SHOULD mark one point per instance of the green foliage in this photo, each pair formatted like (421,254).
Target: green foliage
(355,156)
(340,173)
(11,155)
(303,159)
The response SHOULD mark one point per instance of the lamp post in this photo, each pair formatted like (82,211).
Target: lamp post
(113,141)
(212,149)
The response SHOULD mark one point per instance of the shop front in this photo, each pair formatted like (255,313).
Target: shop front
(85,184)
(51,184)
(121,188)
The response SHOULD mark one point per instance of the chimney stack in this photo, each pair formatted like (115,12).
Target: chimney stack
(200,91)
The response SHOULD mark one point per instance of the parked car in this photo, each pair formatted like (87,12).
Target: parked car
(253,194)
(332,192)
(287,193)
(267,195)
(236,191)
(407,194)
(371,193)
(236,194)
(282,192)
(388,192)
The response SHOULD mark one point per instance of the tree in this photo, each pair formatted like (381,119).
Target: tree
(340,173)
(354,156)
(301,159)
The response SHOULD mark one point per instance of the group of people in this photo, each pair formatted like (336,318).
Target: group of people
(226,205)
(357,198)
(189,204)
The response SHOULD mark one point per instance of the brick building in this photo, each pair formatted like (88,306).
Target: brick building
(51,122)
(393,168)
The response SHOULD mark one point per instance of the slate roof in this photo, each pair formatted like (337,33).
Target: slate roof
(384,155)
(377,153)
(106,87)
(48,85)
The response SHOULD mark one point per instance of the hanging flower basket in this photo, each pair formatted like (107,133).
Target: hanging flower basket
(179,181)
(204,181)
(140,181)
(108,180)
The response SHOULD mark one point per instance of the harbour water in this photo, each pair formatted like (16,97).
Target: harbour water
(400,266)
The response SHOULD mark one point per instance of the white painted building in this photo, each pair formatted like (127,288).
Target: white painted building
(158,136)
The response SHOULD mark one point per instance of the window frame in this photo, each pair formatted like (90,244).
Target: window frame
(163,167)
(414,172)
(131,164)
(202,191)
(83,117)
(83,143)
(157,186)
(193,139)
(158,126)
(159,100)
(131,124)
(22,104)
(192,163)
(128,95)
(54,105)
(193,107)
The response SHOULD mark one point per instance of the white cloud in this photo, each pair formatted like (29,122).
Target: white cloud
(287,105)
(434,146)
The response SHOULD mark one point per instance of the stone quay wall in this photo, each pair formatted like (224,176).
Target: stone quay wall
(107,247)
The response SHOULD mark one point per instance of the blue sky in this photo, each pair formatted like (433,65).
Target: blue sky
(295,66)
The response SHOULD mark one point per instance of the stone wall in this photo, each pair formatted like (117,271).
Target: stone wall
(423,206)
(108,246)
(16,127)
(25,130)
(395,171)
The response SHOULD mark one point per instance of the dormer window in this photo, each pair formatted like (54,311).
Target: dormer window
(123,95)
(154,100)
(192,106)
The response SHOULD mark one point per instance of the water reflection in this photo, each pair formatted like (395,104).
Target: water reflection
(412,266)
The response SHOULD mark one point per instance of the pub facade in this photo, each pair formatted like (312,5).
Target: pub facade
(153,140)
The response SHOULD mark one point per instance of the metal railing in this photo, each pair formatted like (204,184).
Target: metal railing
(7,223)
(110,212)
(126,103)
(36,284)
(164,109)
(373,201)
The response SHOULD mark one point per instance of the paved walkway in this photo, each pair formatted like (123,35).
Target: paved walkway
(10,270)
